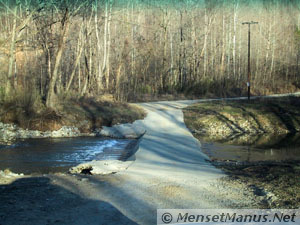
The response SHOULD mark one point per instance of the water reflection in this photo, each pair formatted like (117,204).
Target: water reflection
(263,147)
(54,155)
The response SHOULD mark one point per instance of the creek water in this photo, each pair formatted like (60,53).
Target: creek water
(254,148)
(56,154)
(59,154)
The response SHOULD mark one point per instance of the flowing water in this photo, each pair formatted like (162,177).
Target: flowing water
(56,154)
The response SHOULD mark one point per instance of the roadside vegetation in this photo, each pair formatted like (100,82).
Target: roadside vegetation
(29,112)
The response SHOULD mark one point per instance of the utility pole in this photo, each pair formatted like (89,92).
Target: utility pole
(249,54)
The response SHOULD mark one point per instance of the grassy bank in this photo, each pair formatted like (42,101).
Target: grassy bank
(224,119)
(87,114)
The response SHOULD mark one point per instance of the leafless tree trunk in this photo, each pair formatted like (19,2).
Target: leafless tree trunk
(51,96)
(108,46)
(80,48)
(236,5)
(10,83)
(100,68)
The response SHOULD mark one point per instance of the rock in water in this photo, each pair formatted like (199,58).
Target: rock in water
(102,167)
(130,131)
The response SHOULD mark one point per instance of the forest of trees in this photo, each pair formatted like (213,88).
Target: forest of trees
(136,48)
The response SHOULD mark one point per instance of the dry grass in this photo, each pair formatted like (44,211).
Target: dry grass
(87,114)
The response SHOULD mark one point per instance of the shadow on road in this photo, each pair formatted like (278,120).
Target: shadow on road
(37,201)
